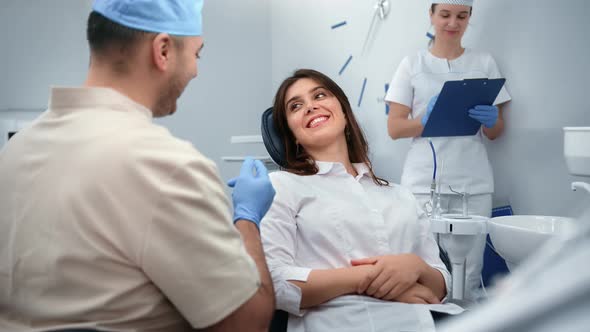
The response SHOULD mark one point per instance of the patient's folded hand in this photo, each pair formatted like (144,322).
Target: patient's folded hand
(418,294)
(393,275)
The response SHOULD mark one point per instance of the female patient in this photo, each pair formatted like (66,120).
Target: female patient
(347,250)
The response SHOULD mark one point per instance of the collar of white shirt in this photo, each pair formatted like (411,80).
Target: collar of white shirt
(330,167)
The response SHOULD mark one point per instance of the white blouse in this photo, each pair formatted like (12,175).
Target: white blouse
(323,221)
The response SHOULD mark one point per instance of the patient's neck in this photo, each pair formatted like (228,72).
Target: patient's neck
(337,153)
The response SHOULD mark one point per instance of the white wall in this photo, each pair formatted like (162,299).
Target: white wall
(545,59)
(234,83)
(44,43)
(541,47)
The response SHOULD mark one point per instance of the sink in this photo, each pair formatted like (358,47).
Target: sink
(517,237)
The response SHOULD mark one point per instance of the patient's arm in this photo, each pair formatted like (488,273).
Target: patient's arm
(394,274)
(434,280)
(324,285)
(418,294)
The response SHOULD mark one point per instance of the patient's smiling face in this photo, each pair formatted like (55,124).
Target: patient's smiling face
(314,114)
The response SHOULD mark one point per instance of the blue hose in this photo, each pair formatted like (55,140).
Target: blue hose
(434,159)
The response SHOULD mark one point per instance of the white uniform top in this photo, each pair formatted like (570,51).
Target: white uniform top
(466,165)
(323,221)
(109,221)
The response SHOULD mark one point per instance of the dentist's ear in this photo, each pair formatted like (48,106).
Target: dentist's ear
(161,48)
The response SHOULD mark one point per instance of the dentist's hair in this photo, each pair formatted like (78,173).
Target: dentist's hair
(115,43)
(298,161)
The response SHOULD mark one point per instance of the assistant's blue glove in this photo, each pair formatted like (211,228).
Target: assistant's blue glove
(486,114)
(428,110)
(253,193)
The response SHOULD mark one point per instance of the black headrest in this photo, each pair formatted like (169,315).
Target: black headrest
(272,139)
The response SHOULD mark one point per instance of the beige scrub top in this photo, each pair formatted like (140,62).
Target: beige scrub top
(109,221)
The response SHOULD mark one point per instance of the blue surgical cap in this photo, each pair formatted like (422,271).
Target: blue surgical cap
(175,17)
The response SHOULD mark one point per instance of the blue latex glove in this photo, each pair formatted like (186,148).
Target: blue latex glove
(428,110)
(253,192)
(486,114)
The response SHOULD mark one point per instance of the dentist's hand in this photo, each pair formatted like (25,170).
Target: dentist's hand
(428,110)
(486,114)
(253,192)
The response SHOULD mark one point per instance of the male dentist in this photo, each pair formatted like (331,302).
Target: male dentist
(107,221)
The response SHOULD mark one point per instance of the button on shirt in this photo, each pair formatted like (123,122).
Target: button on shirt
(463,159)
(323,221)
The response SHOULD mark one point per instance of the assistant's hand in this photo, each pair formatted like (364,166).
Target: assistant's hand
(486,114)
(393,274)
(253,192)
(428,110)
(418,294)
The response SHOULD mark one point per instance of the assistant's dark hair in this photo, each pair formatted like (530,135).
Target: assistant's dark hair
(298,161)
(432,9)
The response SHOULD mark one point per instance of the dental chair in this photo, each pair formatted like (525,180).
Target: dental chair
(276,149)
(272,139)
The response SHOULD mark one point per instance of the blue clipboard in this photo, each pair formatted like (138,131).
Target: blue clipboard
(450,115)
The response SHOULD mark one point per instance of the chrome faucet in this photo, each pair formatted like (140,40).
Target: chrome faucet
(581,185)
(464,199)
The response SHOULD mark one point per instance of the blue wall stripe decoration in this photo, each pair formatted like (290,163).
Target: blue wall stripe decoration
(385,101)
(338,25)
(362,92)
(345,65)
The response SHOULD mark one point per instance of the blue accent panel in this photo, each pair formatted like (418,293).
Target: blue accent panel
(386,103)
(345,65)
(429,35)
(362,92)
(502,211)
(494,266)
(338,25)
